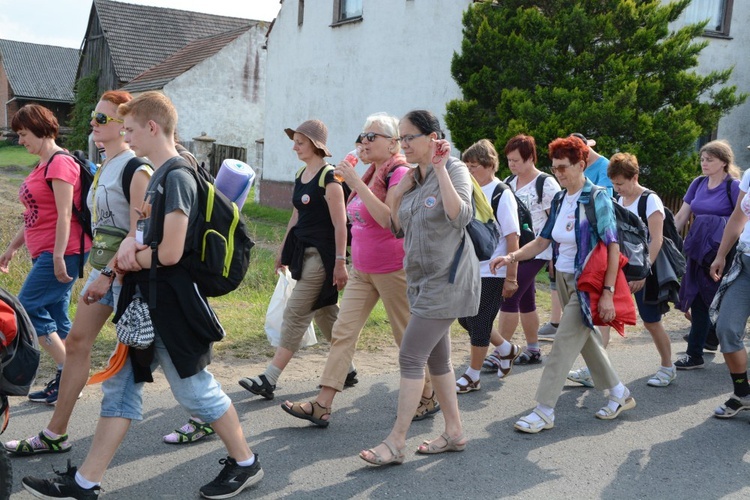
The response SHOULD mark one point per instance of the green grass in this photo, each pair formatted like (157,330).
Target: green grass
(16,156)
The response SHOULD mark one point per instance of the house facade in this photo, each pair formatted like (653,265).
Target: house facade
(342,60)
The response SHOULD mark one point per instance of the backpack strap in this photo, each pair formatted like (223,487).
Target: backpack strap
(322,179)
(540,180)
(590,209)
(496,194)
(642,201)
(128,172)
(729,192)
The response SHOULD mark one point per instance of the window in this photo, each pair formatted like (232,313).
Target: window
(345,10)
(718,13)
(300,12)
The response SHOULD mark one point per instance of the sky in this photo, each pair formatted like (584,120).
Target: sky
(63,22)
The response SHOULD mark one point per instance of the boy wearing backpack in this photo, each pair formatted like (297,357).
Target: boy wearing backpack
(184,323)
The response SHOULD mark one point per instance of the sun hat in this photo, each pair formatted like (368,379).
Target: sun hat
(589,142)
(315,130)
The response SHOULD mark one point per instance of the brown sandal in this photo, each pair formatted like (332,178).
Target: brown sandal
(427,408)
(315,416)
(512,356)
(451,444)
(397,456)
(472,385)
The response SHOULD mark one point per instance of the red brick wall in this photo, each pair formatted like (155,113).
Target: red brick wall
(276,194)
(5,96)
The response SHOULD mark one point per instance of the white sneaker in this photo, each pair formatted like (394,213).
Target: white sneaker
(547,331)
(581,376)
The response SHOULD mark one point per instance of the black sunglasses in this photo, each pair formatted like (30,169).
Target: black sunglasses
(103,119)
(370,136)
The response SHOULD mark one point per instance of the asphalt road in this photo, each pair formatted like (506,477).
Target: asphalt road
(667,447)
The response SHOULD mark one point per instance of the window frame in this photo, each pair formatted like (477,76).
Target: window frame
(338,18)
(723,30)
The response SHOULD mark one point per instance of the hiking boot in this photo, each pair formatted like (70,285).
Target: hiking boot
(689,363)
(232,479)
(63,486)
(581,376)
(49,393)
(547,331)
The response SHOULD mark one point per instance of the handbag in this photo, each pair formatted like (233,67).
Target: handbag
(134,328)
(275,312)
(107,240)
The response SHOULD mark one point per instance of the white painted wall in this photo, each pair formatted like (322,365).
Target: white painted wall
(224,96)
(395,60)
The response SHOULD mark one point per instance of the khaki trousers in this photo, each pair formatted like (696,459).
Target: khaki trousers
(572,338)
(298,312)
(360,297)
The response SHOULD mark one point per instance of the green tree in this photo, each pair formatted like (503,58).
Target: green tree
(610,69)
(86,91)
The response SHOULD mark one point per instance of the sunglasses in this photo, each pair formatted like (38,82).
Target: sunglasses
(406,139)
(560,168)
(370,136)
(103,119)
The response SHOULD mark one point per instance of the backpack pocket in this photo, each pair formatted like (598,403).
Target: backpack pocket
(215,253)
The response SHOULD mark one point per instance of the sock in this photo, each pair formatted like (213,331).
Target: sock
(533,417)
(670,368)
(504,348)
(741,387)
(272,374)
(474,374)
(197,419)
(85,483)
(51,434)
(247,463)
(618,391)
(532,346)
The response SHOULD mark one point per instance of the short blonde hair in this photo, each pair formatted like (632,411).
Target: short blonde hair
(154,106)
(484,153)
(623,164)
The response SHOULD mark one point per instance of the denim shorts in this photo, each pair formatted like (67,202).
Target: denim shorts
(649,313)
(200,395)
(113,294)
(45,299)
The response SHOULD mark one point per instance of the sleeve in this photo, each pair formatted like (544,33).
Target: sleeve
(690,195)
(329,178)
(549,190)
(397,175)
(745,183)
(605,217)
(63,168)
(180,192)
(507,214)
(654,204)
(461,180)
(604,181)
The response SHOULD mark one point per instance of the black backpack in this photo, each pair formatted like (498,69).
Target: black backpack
(525,221)
(219,253)
(19,360)
(83,215)
(670,229)
(631,235)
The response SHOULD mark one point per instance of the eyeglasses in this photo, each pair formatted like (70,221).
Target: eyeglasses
(103,119)
(406,139)
(560,168)
(370,136)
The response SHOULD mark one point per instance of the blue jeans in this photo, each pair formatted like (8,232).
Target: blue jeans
(45,299)
(200,394)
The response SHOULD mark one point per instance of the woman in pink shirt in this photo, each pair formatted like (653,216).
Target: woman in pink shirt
(377,268)
(51,234)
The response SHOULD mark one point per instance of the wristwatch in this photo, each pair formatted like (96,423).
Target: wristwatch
(108,272)
(611,288)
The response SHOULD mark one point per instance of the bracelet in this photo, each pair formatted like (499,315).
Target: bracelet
(512,258)
(341,257)
(511,281)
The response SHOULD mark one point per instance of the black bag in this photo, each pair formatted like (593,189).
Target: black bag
(525,221)
(631,235)
(219,253)
(83,215)
(19,361)
(670,229)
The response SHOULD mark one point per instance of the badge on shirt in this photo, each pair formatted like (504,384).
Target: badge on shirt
(430,201)
(305,199)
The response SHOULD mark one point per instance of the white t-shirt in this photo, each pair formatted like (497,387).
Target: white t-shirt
(564,233)
(507,223)
(653,204)
(528,195)
(745,206)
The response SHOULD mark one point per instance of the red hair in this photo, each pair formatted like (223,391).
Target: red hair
(572,148)
(37,119)
(116,97)
(524,144)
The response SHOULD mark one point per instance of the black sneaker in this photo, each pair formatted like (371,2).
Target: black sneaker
(63,486)
(232,479)
(688,363)
(49,391)
(712,341)
(351,379)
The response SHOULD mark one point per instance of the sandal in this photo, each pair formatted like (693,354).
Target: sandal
(535,426)
(470,386)
(315,416)
(663,377)
(397,456)
(625,403)
(732,406)
(189,433)
(264,389)
(427,408)
(514,353)
(451,444)
(492,362)
(529,357)
(38,444)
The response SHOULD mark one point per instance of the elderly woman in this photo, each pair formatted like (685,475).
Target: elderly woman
(712,198)
(623,171)
(574,239)
(377,267)
(51,233)
(482,160)
(430,207)
(314,248)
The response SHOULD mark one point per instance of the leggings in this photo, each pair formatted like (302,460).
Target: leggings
(524,300)
(480,326)
(426,341)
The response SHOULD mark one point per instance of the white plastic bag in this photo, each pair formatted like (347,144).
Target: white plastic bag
(275,312)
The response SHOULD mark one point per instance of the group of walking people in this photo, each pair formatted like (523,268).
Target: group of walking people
(409,248)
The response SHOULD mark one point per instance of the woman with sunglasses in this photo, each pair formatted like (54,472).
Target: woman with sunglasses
(430,208)
(109,207)
(377,268)
(51,233)
(574,239)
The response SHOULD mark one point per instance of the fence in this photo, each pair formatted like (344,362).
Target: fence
(220,152)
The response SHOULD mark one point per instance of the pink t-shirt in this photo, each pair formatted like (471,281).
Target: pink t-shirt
(40,216)
(374,248)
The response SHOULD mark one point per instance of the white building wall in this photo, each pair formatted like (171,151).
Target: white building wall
(224,96)
(395,60)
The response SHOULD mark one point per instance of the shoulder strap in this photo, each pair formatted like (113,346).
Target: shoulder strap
(540,180)
(590,207)
(508,179)
(324,171)
(729,191)
(390,174)
(642,201)
(128,172)
(496,194)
